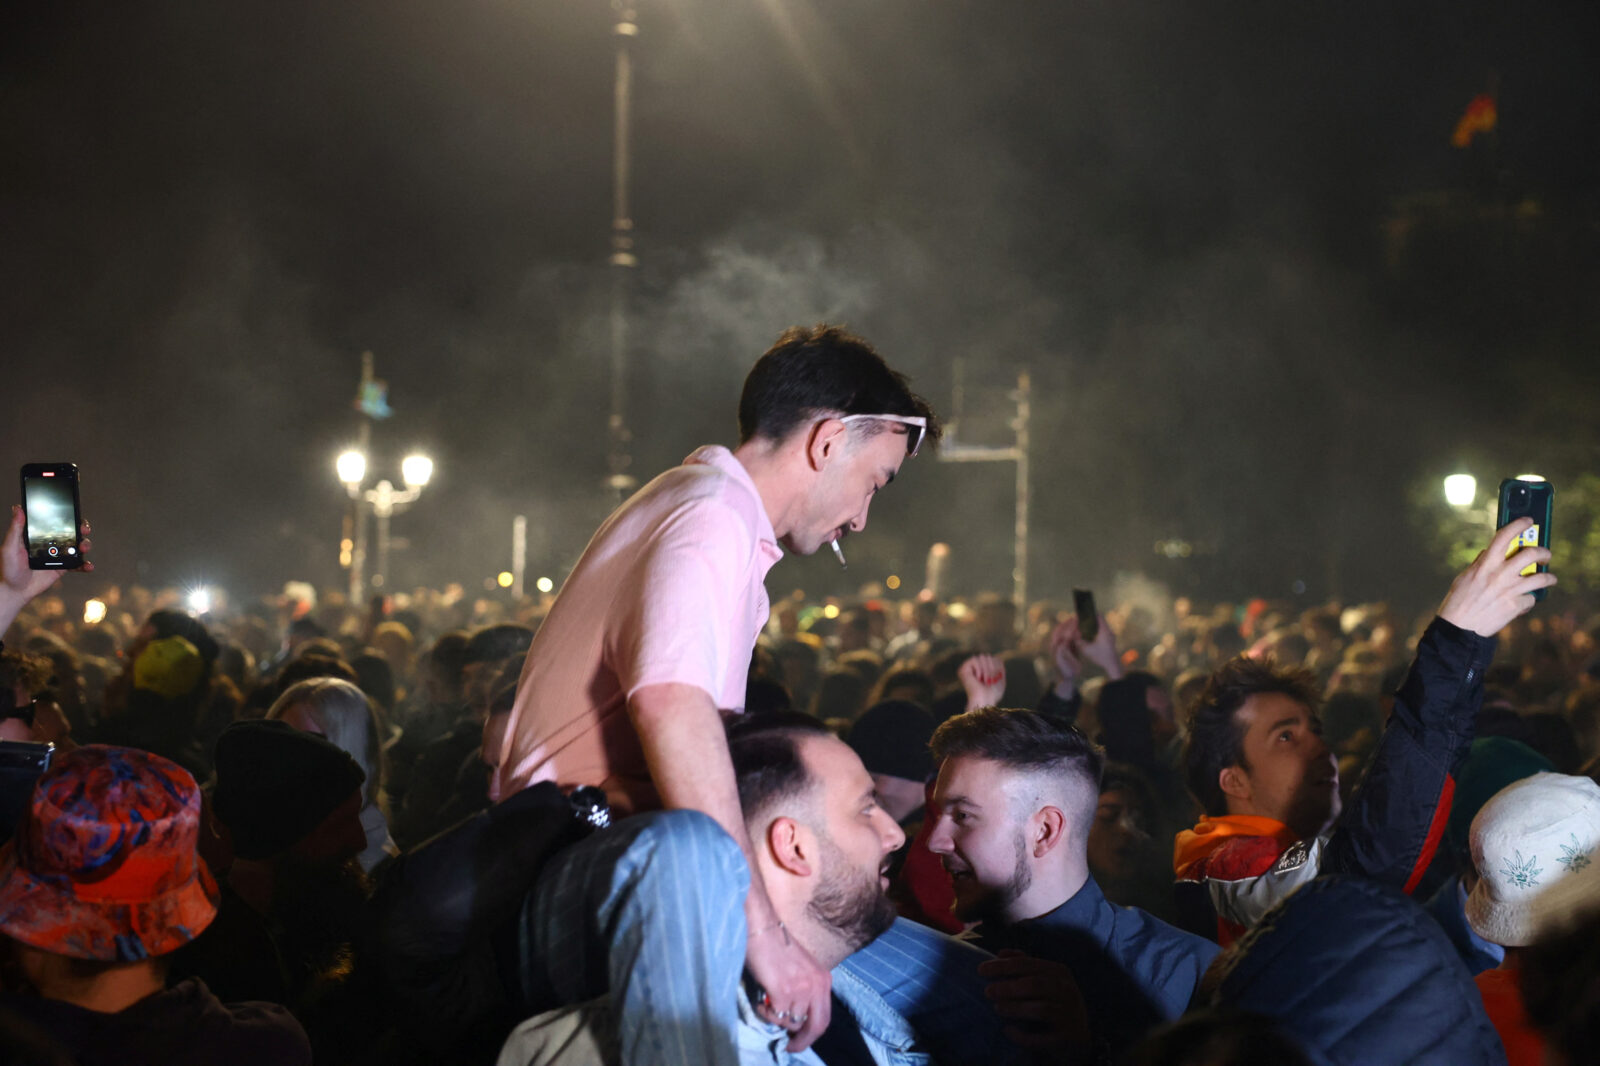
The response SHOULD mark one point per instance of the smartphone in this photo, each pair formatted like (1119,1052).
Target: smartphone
(1088,617)
(53,516)
(21,764)
(1532,499)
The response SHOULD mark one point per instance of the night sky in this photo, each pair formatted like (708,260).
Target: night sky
(1261,296)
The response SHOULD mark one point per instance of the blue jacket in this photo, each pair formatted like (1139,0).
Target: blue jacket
(1360,975)
(1134,970)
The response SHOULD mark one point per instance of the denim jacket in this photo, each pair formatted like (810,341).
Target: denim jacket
(584,1034)
(887,1035)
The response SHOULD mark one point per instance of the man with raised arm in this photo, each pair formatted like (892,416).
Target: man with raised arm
(1269,786)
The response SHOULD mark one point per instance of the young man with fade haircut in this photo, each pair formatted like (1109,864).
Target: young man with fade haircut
(1269,786)
(649,640)
(1016,798)
(822,844)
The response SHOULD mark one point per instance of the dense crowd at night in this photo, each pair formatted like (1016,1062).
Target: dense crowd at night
(674,814)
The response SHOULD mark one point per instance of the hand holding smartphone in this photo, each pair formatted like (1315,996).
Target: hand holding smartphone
(1088,616)
(1527,499)
(52,515)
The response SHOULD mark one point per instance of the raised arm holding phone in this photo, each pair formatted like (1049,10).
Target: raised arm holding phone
(1269,786)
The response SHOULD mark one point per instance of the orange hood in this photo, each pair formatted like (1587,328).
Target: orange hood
(1193,846)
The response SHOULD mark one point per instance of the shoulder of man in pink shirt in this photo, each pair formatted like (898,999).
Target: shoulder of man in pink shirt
(682,547)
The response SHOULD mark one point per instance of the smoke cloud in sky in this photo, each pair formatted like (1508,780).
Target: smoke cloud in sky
(1259,293)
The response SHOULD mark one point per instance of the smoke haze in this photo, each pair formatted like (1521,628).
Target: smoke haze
(1259,293)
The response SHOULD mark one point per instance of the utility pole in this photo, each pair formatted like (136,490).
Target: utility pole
(519,554)
(623,260)
(952,450)
(358,550)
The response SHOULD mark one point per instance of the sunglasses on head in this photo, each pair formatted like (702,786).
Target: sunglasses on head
(916,427)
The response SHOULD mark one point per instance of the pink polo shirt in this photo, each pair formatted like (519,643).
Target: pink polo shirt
(669,590)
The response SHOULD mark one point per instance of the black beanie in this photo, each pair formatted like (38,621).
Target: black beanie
(892,738)
(276,784)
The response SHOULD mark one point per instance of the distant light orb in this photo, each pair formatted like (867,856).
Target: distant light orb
(200,601)
(94,612)
(416,470)
(1460,490)
(893,581)
(352,467)
(831,611)
(544,584)
(504,579)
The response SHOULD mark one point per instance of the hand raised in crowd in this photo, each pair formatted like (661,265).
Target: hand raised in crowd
(984,678)
(797,987)
(18,584)
(1491,592)
(1064,657)
(1068,650)
(1043,995)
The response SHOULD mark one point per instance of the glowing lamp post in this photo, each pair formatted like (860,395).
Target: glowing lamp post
(383,499)
(1461,491)
(352,468)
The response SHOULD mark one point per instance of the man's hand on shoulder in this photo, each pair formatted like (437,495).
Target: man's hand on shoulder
(797,987)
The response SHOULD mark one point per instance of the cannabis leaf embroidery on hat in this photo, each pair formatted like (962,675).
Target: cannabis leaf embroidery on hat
(1520,873)
(1573,857)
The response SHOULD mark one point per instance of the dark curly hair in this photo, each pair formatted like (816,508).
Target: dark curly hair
(1216,737)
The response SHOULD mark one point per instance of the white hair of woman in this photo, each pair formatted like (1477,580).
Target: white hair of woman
(340,712)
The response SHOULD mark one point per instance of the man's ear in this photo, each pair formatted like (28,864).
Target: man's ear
(824,441)
(1235,783)
(1049,830)
(791,847)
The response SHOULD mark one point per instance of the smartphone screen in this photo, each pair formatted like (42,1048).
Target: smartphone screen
(1519,498)
(50,503)
(1088,617)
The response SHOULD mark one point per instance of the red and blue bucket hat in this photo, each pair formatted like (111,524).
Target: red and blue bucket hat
(104,864)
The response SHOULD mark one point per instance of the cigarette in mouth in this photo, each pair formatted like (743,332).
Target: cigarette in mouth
(839,552)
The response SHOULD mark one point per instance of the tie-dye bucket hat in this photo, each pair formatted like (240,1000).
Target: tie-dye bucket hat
(104,864)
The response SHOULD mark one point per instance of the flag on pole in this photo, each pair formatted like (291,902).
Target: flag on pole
(373,399)
(1479,117)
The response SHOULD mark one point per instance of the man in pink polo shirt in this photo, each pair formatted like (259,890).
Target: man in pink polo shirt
(648,642)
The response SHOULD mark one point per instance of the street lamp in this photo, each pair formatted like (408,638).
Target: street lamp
(352,468)
(415,470)
(383,499)
(1460,491)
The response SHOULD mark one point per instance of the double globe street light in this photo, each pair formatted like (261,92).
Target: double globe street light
(383,499)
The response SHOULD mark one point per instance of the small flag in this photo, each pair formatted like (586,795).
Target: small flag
(373,399)
(1479,117)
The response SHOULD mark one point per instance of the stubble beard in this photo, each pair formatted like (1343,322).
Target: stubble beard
(849,903)
(992,905)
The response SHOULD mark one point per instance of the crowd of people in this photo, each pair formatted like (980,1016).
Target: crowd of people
(661,818)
